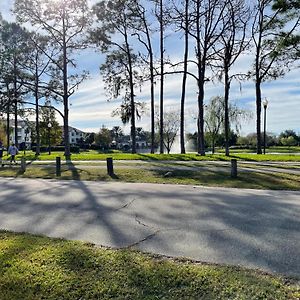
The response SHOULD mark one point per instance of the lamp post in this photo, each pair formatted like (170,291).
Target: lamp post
(26,134)
(49,137)
(265,105)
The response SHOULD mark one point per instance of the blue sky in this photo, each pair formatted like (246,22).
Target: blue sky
(90,110)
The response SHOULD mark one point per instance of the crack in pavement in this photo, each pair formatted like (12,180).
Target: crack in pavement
(126,205)
(148,237)
(143,224)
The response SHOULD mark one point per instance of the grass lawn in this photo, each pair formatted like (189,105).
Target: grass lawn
(94,155)
(256,180)
(34,267)
(273,149)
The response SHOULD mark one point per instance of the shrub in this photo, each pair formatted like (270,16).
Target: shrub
(73,149)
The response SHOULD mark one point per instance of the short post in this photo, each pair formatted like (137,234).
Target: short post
(58,166)
(110,166)
(23,165)
(234,172)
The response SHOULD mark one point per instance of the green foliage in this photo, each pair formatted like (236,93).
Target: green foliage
(288,138)
(73,149)
(104,138)
(125,111)
(117,133)
(289,141)
(251,141)
(116,23)
(14,55)
(289,41)
(288,133)
(48,117)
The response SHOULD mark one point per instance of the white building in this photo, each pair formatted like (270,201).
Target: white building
(23,131)
(75,135)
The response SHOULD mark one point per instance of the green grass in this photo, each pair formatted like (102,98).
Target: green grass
(273,149)
(34,267)
(138,173)
(266,157)
(93,155)
(222,150)
(284,149)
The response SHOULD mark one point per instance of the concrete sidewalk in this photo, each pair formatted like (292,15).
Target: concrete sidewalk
(252,228)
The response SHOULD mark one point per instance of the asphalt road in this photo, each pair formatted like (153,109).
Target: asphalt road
(253,228)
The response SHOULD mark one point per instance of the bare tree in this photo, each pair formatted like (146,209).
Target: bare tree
(171,128)
(181,18)
(38,67)
(161,19)
(64,22)
(144,35)
(115,17)
(231,44)
(206,29)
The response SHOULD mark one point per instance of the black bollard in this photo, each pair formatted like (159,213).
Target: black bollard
(23,165)
(234,172)
(58,166)
(110,166)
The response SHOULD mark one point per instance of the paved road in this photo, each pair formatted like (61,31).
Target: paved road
(253,228)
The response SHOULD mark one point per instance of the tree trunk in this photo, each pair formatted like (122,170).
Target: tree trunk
(15,104)
(184,78)
(16,123)
(132,103)
(258,116)
(7,127)
(66,94)
(152,92)
(152,108)
(258,79)
(133,131)
(151,68)
(201,143)
(37,121)
(16,114)
(161,123)
(213,145)
(226,111)
(201,77)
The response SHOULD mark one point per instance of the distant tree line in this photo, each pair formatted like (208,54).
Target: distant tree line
(285,138)
(38,65)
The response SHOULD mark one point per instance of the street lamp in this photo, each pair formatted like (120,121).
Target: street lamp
(26,134)
(49,137)
(265,105)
